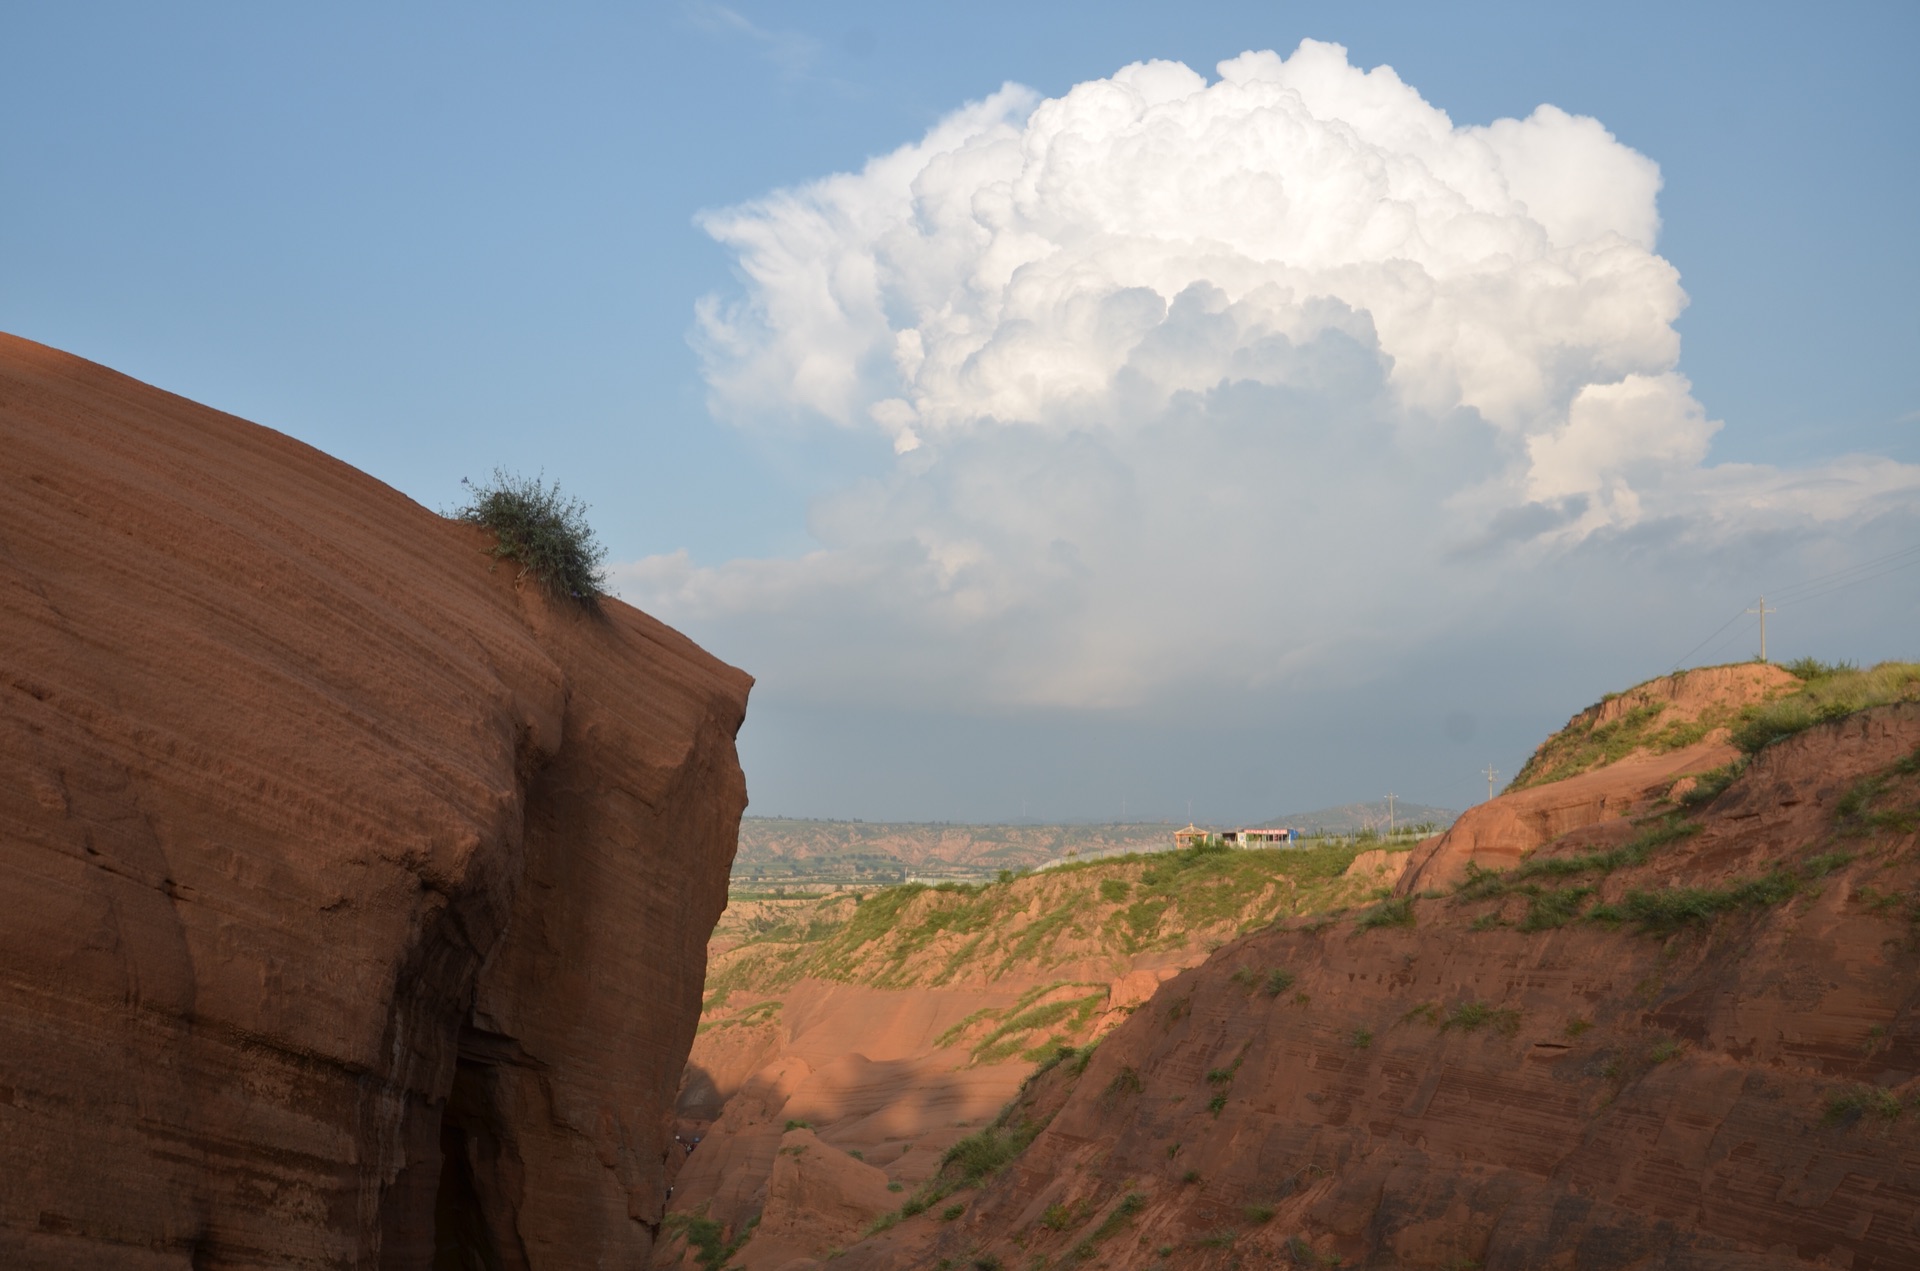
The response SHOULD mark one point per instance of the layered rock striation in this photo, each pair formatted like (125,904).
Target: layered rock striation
(353,893)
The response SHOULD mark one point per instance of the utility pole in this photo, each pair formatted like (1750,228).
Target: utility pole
(1763,611)
(1390,799)
(1493,772)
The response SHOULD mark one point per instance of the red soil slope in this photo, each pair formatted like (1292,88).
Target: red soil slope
(1496,834)
(1478,1089)
(863,1069)
(887,1079)
(342,879)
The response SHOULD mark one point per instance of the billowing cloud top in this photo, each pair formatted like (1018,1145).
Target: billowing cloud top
(1170,363)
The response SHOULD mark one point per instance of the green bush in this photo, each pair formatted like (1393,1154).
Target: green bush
(1844,1107)
(1388,913)
(1708,784)
(707,1238)
(978,1155)
(1469,1016)
(1675,907)
(1815,669)
(1555,908)
(544,532)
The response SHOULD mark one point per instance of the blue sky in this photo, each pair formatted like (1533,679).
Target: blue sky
(434,239)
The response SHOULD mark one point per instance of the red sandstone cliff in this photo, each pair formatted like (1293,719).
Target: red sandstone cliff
(350,892)
(1511,1084)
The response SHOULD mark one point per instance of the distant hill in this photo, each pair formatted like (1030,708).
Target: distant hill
(781,851)
(1350,818)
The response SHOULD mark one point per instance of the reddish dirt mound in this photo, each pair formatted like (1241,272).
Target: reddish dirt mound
(1623,754)
(1692,1043)
(344,878)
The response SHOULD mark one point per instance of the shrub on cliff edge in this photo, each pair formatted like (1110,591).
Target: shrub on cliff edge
(547,533)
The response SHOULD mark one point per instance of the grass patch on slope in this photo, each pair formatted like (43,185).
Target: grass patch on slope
(920,936)
(1829,692)
(969,1163)
(1485,884)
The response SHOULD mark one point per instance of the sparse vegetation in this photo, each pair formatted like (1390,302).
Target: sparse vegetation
(1426,1012)
(1361,1038)
(707,1238)
(1388,913)
(1856,812)
(920,936)
(1130,1204)
(1484,884)
(1469,1016)
(1671,908)
(1550,908)
(1849,1106)
(1586,743)
(542,531)
(1125,1082)
(1830,692)
(1708,785)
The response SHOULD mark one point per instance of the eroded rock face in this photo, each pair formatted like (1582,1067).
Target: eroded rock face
(352,895)
(1739,1091)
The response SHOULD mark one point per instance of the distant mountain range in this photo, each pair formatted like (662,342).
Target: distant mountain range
(779,850)
(1350,818)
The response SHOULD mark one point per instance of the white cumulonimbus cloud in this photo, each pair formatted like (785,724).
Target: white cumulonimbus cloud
(1201,382)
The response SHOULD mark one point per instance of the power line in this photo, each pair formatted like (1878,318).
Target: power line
(1804,596)
(1811,589)
(1703,644)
